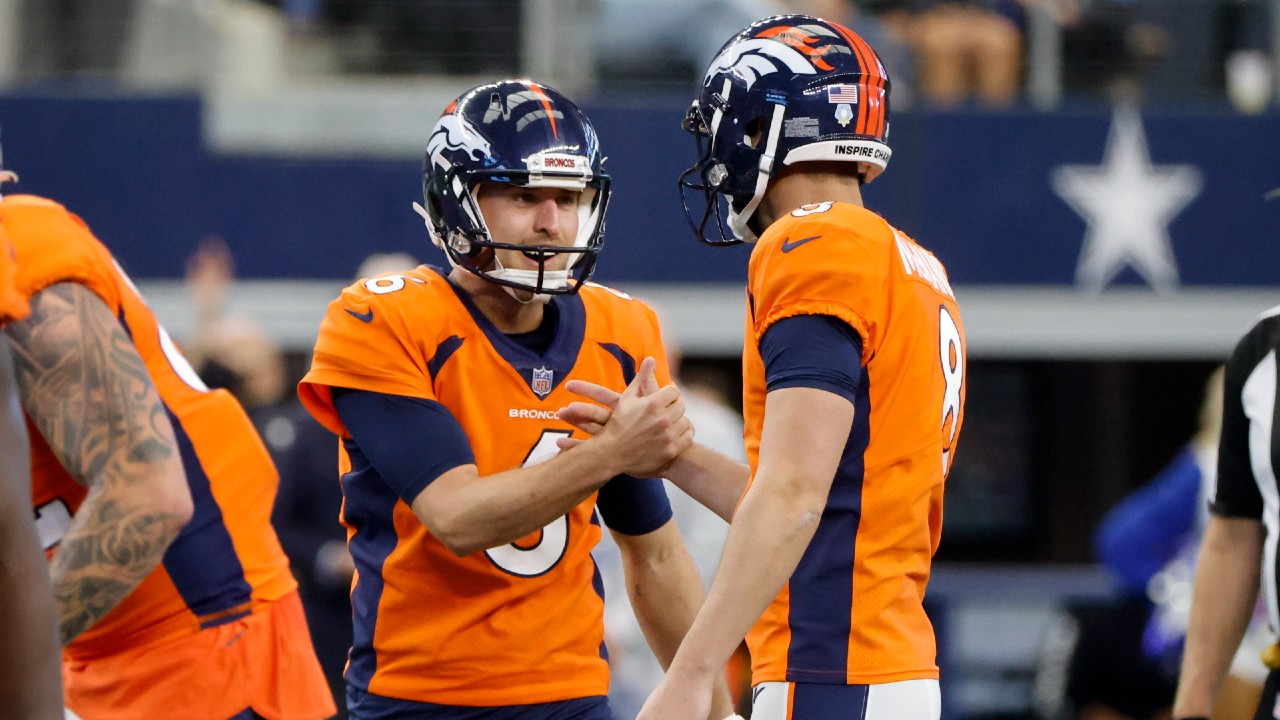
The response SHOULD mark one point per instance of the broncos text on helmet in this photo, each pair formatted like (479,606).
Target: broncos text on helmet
(522,133)
(787,89)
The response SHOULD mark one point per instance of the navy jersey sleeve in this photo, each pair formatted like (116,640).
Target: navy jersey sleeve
(813,351)
(410,441)
(634,506)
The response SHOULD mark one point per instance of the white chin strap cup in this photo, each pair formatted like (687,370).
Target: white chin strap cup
(551,280)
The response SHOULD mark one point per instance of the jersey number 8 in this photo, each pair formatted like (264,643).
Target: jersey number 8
(951,355)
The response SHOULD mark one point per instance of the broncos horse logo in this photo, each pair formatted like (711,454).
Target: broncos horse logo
(797,48)
(453,133)
(498,109)
(534,94)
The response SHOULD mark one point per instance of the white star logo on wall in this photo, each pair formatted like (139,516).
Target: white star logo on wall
(1127,204)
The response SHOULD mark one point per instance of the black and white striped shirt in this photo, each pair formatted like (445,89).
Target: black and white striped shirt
(1249,452)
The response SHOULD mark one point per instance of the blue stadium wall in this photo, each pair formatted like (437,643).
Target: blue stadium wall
(974,187)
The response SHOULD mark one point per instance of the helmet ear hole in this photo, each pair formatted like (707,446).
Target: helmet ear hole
(434,206)
(753,133)
(483,259)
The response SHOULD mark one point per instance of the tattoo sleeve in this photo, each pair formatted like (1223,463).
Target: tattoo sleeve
(88,392)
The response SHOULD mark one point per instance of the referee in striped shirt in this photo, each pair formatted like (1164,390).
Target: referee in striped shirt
(1244,527)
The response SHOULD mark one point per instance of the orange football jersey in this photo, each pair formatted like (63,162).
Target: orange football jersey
(851,613)
(13,306)
(226,561)
(518,624)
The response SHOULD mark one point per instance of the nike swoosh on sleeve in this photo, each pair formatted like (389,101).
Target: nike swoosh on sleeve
(789,245)
(366,316)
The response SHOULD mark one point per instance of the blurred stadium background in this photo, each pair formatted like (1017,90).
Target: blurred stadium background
(1106,225)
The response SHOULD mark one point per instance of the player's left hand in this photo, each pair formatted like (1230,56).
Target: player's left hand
(678,697)
(588,416)
(591,417)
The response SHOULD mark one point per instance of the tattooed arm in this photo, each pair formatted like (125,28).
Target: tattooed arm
(84,385)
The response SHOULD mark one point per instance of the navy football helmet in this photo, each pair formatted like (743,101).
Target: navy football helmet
(787,89)
(523,133)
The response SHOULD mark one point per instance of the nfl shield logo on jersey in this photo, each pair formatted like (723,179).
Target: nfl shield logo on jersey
(542,380)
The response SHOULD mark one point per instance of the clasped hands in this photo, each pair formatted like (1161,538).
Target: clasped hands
(645,423)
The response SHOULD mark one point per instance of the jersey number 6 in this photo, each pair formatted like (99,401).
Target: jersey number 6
(541,551)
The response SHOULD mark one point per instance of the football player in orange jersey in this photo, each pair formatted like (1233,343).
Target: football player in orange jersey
(475,593)
(853,393)
(30,684)
(153,496)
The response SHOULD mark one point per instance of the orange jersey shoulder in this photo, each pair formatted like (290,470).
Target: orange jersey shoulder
(822,260)
(377,335)
(55,246)
(13,306)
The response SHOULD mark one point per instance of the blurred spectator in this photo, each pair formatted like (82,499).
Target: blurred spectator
(1100,48)
(943,51)
(668,40)
(1123,656)
(454,37)
(230,351)
(969,49)
(1168,49)
(72,38)
(1242,25)
(235,352)
(1242,54)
